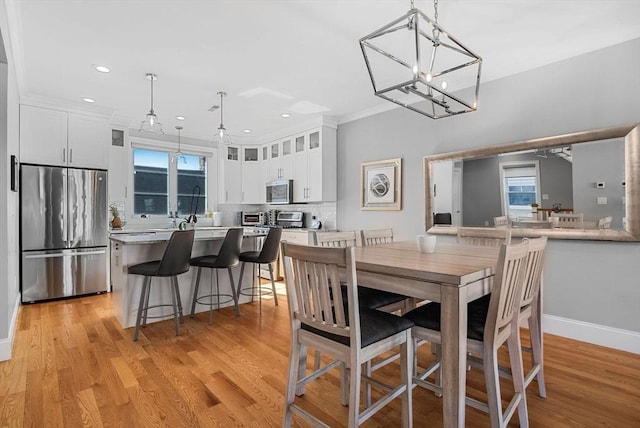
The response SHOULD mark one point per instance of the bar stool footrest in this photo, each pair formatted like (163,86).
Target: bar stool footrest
(210,300)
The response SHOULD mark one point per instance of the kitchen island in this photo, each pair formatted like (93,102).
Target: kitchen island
(129,248)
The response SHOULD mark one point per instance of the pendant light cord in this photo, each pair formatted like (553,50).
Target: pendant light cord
(151,94)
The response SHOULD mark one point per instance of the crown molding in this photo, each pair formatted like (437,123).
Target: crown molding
(13,43)
(70,107)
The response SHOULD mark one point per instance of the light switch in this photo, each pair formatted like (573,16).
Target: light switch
(545,196)
(602,200)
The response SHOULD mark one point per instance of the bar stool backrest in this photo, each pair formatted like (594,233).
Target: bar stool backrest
(271,246)
(175,259)
(229,254)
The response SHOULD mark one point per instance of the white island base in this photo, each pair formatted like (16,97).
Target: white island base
(130,249)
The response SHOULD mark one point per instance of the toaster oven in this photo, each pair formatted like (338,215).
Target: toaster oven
(252,218)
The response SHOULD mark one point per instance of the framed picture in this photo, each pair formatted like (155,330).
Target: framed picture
(381,185)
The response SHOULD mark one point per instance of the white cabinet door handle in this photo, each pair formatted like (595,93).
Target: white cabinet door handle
(64,155)
(70,155)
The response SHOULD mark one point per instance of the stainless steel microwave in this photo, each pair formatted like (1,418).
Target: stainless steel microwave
(280,192)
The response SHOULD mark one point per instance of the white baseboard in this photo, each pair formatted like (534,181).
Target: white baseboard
(6,344)
(610,337)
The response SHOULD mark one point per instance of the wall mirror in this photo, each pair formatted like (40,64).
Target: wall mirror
(584,185)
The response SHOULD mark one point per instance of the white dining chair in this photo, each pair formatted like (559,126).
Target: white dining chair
(488,328)
(332,321)
(567,221)
(483,236)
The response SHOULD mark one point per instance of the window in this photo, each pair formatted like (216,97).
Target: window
(163,183)
(520,188)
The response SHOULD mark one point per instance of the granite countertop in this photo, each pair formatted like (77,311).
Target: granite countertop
(150,236)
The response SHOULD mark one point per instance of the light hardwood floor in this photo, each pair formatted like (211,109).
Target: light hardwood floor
(73,366)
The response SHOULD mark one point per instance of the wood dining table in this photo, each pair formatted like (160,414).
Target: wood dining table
(452,275)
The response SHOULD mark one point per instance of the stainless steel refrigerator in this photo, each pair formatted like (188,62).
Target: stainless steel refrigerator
(63,236)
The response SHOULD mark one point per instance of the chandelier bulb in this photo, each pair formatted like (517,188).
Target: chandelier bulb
(429,77)
(443,85)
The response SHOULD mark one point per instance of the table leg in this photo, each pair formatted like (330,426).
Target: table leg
(454,354)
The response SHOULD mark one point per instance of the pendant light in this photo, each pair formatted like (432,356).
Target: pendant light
(150,124)
(415,63)
(177,155)
(221,136)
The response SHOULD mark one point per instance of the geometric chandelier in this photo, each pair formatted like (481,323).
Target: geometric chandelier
(414,62)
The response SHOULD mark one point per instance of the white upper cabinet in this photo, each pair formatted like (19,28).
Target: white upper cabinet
(252,186)
(231,176)
(54,137)
(281,159)
(88,141)
(315,166)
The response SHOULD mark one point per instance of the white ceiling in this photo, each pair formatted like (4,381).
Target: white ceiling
(273,56)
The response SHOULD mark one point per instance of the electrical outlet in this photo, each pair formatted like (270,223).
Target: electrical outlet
(602,200)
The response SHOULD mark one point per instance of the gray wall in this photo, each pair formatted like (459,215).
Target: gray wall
(481,186)
(595,282)
(599,162)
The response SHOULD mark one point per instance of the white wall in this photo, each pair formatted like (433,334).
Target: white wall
(9,145)
(594,282)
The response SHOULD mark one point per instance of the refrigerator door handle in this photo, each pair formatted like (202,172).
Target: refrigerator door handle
(65,254)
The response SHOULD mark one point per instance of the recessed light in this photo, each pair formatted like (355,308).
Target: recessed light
(247,131)
(101,68)
(285,115)
(88,100)
(180,117)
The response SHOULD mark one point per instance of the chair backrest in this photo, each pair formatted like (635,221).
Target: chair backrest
(177,254)
(605,222)
(336,239)
(442,218)
(378,236)
(533,272)
(314,291)
(506,291)
(574,221)
(271,246)
(501,221)
(484,236)
(229,254)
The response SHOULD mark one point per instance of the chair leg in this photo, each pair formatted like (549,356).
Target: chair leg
(176,289)
(176,315)
(239,288)
(273,284)
(292,380)
(367,387)
(317,358)
(146,303)
(302,369)
(195,294)
(233,287)
(517,374)
(254,279)
(355,377)
(493,386)
(406,360)
(344,384)
(537,354)
(211,296)
(140,307)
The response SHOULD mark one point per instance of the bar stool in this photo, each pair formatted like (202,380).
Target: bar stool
(267,255)
(227,257)
(175,261)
